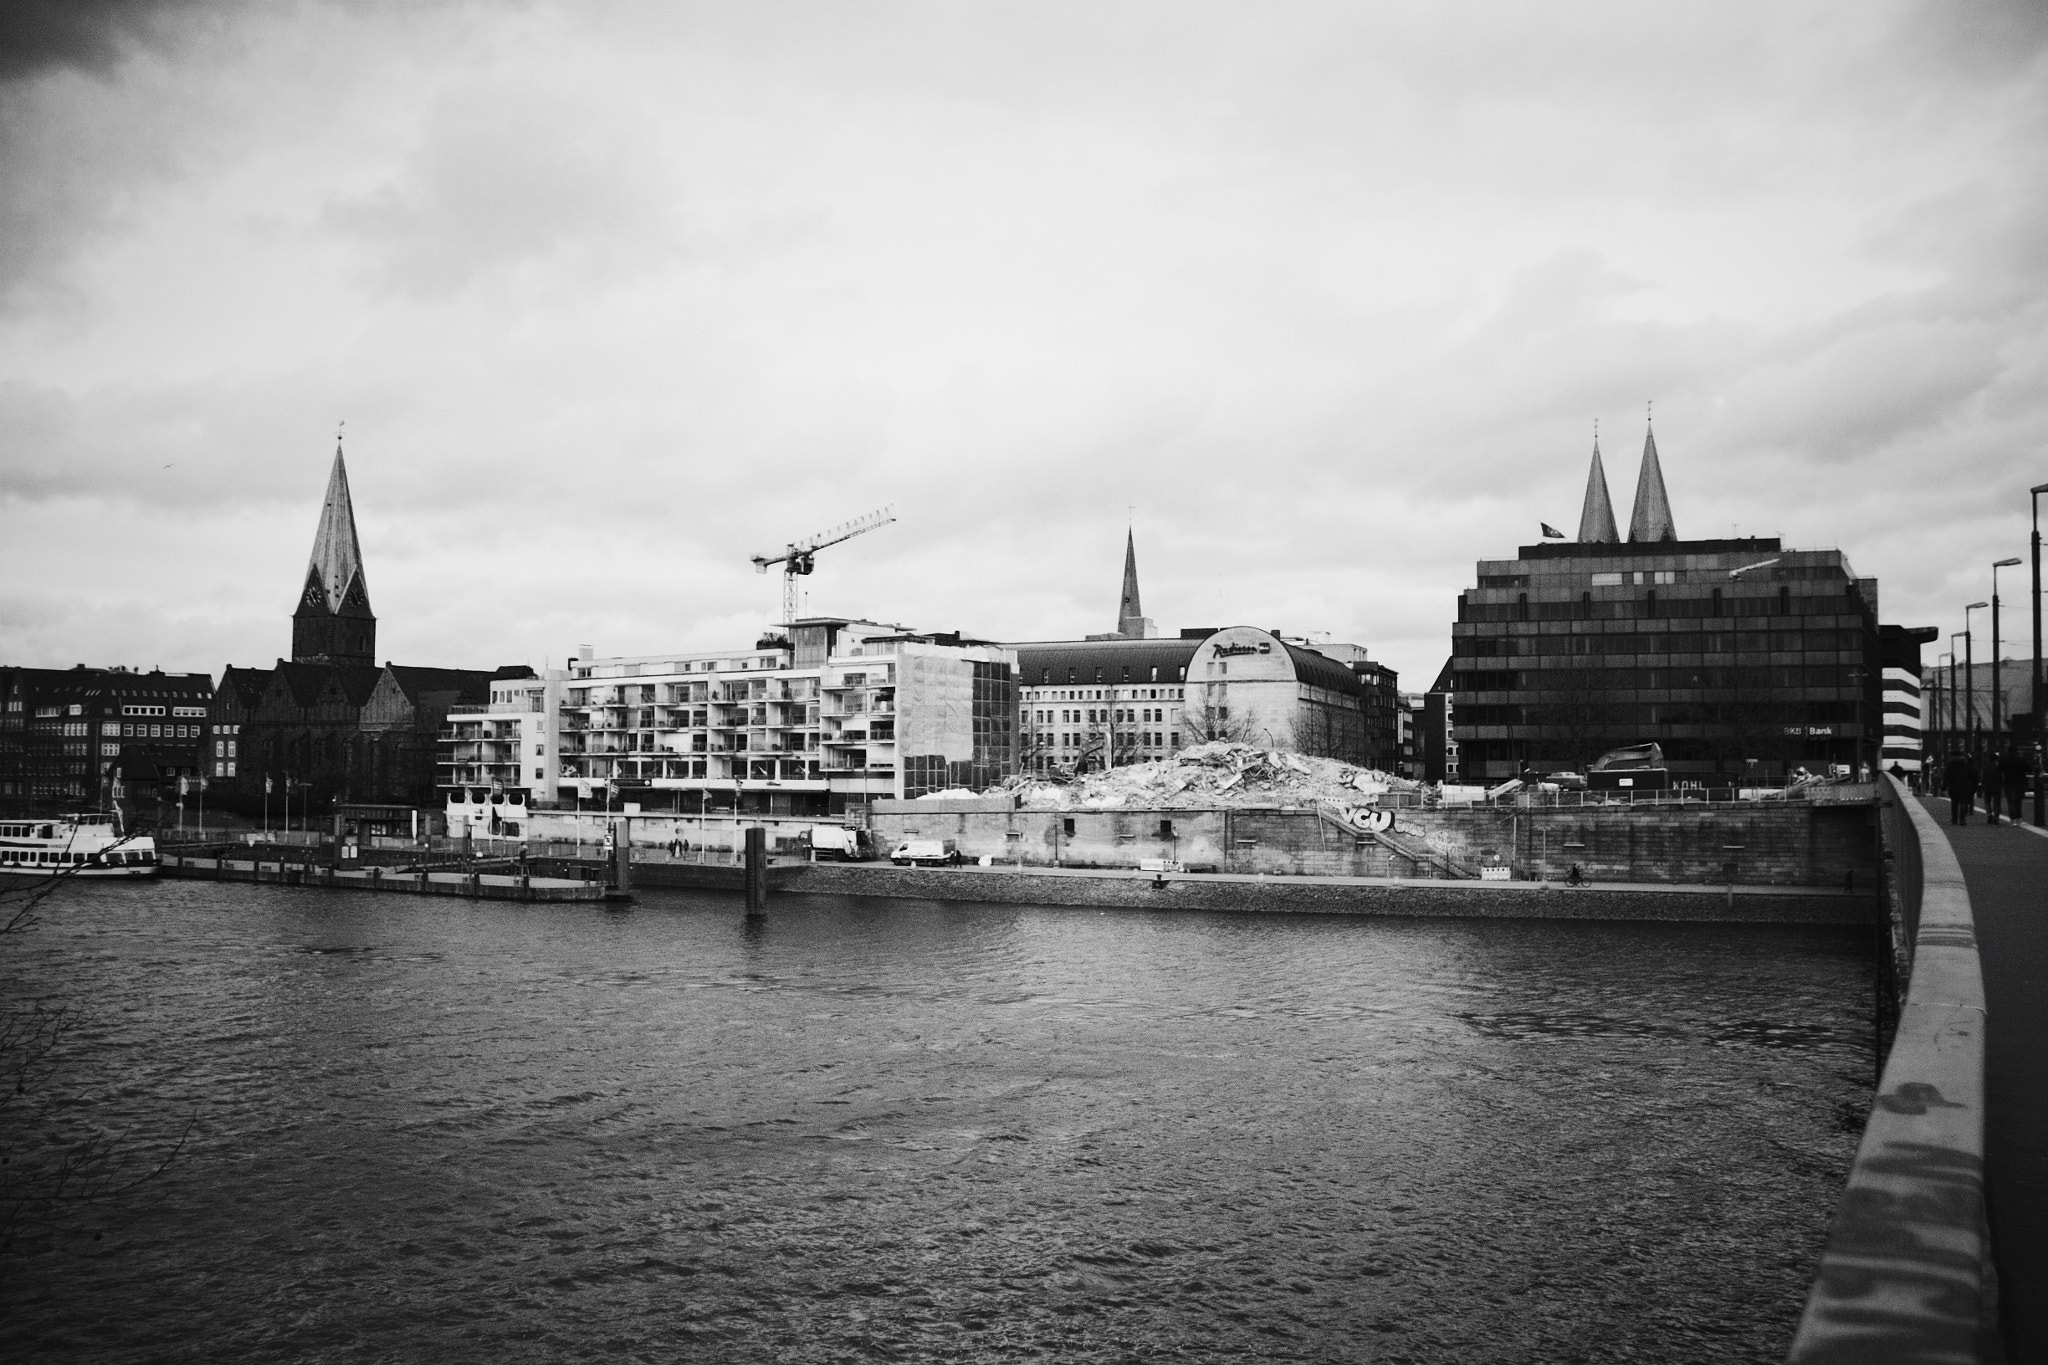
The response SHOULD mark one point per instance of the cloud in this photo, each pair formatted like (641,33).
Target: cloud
(84,35)
(613,296)
(504,178)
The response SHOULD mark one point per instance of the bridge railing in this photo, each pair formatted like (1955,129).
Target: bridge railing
(1906,1275)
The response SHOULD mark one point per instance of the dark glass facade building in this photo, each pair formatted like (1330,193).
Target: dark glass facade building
(1742,659)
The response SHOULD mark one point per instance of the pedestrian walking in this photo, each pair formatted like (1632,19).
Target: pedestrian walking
(1990,784)
(2014,773)
(1960,777)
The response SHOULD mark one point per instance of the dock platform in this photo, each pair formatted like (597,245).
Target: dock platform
(475,886)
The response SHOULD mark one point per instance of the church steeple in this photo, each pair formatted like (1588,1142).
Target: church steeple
(1651,520)
(1596,519)
(333,622)
(1131,621)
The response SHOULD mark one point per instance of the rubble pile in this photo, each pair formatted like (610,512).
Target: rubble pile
(1206,775)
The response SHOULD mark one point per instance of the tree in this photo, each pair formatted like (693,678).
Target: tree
(1211,722)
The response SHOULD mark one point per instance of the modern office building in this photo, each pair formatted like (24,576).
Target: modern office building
(66,735)
(837,712)
(1739,657)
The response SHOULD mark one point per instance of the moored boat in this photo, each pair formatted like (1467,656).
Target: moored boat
(86,844)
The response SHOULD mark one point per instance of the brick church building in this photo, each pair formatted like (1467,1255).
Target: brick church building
(331,723)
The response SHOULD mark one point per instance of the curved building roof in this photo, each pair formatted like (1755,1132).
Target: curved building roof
(1058,663)
(1323,671)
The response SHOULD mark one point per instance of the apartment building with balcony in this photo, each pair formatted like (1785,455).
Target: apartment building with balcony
(835,712)
(506,747)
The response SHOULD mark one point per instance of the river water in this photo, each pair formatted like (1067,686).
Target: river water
(894,1130)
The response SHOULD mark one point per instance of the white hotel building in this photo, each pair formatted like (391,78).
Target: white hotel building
(837,712)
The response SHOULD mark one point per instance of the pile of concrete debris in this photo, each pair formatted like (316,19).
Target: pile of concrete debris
(1218,774)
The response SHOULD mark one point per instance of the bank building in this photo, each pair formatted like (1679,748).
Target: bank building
(1742,659)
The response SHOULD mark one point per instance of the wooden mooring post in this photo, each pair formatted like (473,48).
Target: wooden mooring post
(621,840)
(757,871)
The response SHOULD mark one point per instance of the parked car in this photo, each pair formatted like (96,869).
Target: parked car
(841,843)
(925,853)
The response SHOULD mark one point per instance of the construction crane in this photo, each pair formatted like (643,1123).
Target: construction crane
(800,557)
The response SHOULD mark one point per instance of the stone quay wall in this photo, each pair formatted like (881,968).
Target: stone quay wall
(1694,843)
(1313,896)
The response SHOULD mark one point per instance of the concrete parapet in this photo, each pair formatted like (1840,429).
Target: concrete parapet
(1907,1271)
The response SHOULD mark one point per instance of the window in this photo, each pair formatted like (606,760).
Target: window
(1607,580)
(1067,826)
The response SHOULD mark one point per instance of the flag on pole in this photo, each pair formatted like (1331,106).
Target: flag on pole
(183,784)
(266,784)
(1550,532)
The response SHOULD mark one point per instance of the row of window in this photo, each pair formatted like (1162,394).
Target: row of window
(139,730)
(1648,606)
(1146,739)
(1620,715)
(119,857)
(1662,642)
(1121,715)
(1592,682)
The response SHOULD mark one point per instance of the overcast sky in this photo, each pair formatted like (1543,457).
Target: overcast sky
(1324,299)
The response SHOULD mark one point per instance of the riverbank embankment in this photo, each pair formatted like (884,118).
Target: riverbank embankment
(1121,890)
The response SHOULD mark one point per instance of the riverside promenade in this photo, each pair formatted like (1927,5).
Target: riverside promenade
(2006,868)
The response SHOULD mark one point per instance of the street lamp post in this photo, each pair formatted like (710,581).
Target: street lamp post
(1955,714)
(1970,672)
(1944,706)
(1997,684)
(1735,637)
(2040,783)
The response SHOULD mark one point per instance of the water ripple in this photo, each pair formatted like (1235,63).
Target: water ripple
(918,1132)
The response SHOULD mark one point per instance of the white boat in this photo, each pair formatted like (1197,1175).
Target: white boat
(89,844)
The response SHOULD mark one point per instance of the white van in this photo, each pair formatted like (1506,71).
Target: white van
(925,853)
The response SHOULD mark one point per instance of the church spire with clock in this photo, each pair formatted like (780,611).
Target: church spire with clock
(334,623)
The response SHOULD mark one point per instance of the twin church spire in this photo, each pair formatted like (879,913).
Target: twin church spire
(1650,521)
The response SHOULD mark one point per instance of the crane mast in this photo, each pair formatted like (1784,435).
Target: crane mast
(800,557)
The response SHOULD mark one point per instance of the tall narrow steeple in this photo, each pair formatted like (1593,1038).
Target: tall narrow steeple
(1131,621)
(1596,519)
(1651,520)
(333,622)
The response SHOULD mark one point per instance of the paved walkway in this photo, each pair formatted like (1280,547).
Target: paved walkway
(2006,867)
